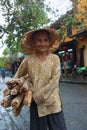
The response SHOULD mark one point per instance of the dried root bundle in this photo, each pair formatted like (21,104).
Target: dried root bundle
(17,101)
(17,94)
(28,98)
(6,102)
(17,110)
(6,92)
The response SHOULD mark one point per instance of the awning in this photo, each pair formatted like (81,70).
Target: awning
(83,33)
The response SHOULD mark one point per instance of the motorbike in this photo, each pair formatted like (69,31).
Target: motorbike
(81,71)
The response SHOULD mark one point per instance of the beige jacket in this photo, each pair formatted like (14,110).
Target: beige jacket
(44,78)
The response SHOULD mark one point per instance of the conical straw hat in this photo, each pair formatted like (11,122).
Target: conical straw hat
(26,42)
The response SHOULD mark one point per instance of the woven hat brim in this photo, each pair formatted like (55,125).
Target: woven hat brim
(26,42)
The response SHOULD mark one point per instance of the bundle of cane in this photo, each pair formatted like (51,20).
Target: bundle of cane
(6,92)
(28,93)
(6,102)
(17,110)
(17,100)
(15,82)
(19,92)
(28,98)
(13,86)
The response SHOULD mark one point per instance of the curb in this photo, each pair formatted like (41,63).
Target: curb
(74,82)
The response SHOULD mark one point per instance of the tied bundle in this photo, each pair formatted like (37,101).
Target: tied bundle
(17,94)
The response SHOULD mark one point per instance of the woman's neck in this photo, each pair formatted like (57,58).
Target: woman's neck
(42,56)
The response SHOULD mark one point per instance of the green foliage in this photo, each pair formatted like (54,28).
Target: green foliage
(6,51)
(64,22)
(3,62)
(22,16)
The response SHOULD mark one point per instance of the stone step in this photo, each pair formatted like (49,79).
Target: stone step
(6,123)
(21,121)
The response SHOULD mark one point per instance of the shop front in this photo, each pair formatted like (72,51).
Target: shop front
(67,54)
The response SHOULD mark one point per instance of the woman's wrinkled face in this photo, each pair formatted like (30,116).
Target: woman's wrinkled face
(41,42)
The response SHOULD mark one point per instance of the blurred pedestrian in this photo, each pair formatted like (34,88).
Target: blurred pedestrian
(3,74)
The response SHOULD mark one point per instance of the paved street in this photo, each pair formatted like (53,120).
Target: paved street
(74,97)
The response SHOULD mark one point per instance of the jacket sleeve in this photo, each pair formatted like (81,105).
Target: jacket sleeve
(22,70)
(42,94)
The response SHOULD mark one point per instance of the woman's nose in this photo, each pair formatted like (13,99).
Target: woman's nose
(43,42)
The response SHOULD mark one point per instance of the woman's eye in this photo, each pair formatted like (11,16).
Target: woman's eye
(46,40)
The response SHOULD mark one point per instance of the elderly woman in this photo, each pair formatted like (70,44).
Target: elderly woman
(43,69)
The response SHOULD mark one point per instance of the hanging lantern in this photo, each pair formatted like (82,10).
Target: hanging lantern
(81,38)
(65,48)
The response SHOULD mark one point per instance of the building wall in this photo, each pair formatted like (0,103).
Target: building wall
(80,14)
(80,17)
(80,45)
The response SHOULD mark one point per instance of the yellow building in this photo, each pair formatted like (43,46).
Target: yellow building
(79,32)
(75,37)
